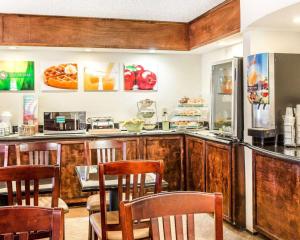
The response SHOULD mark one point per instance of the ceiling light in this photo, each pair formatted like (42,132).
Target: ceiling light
(222,43)
(152,50)
(296,20)
(12,48)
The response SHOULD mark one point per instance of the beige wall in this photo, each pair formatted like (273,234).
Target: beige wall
(210,58)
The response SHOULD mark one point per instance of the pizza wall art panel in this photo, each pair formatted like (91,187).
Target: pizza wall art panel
(60,77)
(102,77)
(140,77)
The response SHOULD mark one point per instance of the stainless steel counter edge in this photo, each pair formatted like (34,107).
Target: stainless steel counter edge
(275,152)
(43,137)
(270,151)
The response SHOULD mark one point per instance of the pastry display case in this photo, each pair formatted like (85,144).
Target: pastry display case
(191,113)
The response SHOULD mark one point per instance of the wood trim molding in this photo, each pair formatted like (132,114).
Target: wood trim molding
(56,31)
(1,29)
(220,22)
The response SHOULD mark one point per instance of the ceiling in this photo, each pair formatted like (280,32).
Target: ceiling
(281,20)
(159,10)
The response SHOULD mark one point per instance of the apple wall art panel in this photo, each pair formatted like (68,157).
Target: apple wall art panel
(102,77)
(140,77)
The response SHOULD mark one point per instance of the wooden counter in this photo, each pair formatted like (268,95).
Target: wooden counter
(192,162)
(216,167)
(276,194)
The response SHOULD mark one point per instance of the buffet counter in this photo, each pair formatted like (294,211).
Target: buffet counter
(276,191)
(205,134)
(193,160)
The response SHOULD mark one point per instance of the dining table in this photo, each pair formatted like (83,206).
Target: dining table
(88,177)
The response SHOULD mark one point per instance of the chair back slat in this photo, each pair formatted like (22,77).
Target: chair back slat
(27,192)
(106,151)
(113,155)
(179,227)
(177,204)
(154,229)
(19,175)
(4,152)
(190,227)
(127,190)
(38,153)
(135,186)
(36,192)
(19,222)
(167,228)
(19,192)
(142,185)
(10,194)
(131,177)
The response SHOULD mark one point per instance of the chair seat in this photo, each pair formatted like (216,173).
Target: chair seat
(93,202)
(113,218)
(46,203)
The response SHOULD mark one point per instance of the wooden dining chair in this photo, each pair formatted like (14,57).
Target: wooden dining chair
(131,184)
(4,152)
(22,185)
(21,222)
(177,204)
(101,152)
(106,151)
(41,153)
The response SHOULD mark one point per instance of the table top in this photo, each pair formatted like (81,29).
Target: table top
(89,179)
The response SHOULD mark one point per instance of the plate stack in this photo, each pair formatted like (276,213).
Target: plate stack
(289,127)
(298,124)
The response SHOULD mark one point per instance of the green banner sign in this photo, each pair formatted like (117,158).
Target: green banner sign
(16,75)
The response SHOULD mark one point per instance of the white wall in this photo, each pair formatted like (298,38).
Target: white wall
(252,10)
(212,57)
(178,75)
(274,41)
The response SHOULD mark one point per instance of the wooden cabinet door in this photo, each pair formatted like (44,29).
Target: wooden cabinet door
(73,154)
(170,150)
(219,174)
(133,148)
(195,164)
(276,207)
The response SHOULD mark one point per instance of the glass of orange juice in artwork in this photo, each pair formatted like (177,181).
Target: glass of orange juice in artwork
(91,82)
(108,83)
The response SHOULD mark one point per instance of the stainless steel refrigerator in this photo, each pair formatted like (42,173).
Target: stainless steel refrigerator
(226,115)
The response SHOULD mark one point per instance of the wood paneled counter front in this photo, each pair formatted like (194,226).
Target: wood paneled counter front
(192,161)
(276,192)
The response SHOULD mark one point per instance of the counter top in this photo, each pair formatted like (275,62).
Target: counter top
(285,153)
(205,134)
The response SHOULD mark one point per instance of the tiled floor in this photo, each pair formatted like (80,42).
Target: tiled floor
(76,223)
